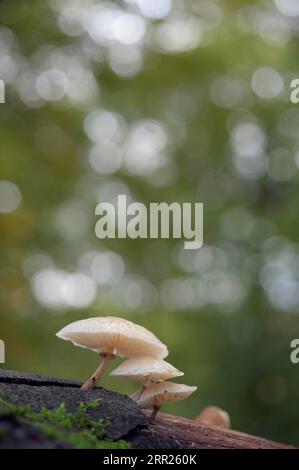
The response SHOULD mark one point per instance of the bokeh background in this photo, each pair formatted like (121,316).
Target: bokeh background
(161,100)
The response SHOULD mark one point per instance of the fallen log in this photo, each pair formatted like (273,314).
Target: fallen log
(125,420)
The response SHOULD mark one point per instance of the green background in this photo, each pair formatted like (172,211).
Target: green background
(191,80)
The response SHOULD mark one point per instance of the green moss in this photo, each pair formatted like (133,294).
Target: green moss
(58,424)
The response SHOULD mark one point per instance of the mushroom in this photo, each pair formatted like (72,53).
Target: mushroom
(214,416)
(157,395)
(146,369)
(111,337)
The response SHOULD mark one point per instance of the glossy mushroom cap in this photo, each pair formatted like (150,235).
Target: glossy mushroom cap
(164,392)
(146,369)
(214,416)
(113,335)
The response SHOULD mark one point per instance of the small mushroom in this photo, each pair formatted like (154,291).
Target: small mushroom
(146,369)
(157,395)
(214,416)
(111,337)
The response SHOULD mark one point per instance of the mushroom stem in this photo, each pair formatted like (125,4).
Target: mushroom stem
(140,392)
(91,383)
(146,384)
(152,417)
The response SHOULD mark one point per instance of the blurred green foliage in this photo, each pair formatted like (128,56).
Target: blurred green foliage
(187,102)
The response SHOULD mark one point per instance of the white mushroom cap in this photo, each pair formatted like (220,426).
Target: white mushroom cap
(113,335)
(163,392)
(145,369)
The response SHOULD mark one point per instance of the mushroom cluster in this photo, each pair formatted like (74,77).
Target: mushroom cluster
(112,337)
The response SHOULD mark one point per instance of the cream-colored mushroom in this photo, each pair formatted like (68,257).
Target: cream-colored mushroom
(214,416)
(145,370)
(111,337)
(157,395)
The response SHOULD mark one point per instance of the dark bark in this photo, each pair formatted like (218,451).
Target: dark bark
(126,420)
